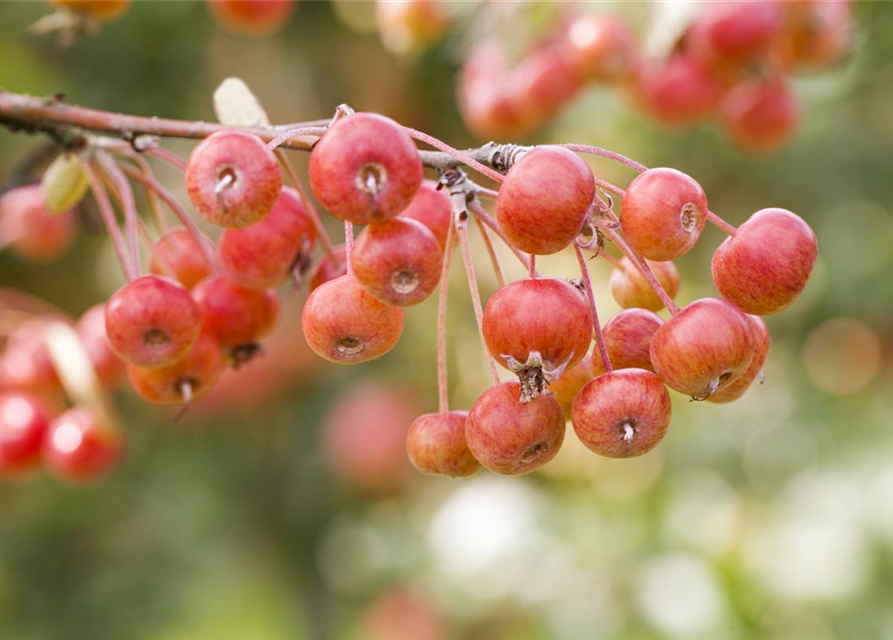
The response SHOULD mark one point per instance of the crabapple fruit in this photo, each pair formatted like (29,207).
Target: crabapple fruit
(152,321)
(630,289)
(78,447)
(622,414)
(181,382)
(736,31)
(679,91)
(572,380)
(90,328)
(177,255)
(542,83)
(663,213)
(344,324)
(329,267)
(512,438)
(600,46)
(742,383)
(543,202)
(233,179)
(436,444)
(365,168)
(766,263)
(628,337)
(397,261)
(25,364)
(233,315)
(432,208)
(760,115)
(29,230)
(252,17)
(23,421)
(703,348)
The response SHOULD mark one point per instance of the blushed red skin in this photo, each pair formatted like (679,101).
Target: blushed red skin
(736,31)
(572,380)
(147,305)
(328,268)
(25,364)
(543,202)
(90,328)
(436,444)
(679,92)
(543,82)
(741,384)
(23,421)
(612,399)
(512,438)
(628,337)
(339,157)
(99,9)
(432,208)
(364,437)
(32,233)
(817,34)
(200,368)
(341,309)
(255,189)
(383,250)
(94,454)
(630,289)
(760,116)
(600,47)
(233,315)
(538,314)
(765,265)
(709,339)
(653,213)
(262,255)
(252,17)
(178,255)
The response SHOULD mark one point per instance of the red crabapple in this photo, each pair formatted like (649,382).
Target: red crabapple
(181,382)
(252,17)
(678,92)
(543,202)
(23,421)
(408,25)
(29,230)
(397,261)
(78,447)
(432,208)
(742,383)
(99,9)
(365,168)
(436,444)
(26,363)
(178,255)
(90,328)
(263,255)
(663,213)
(703,348)
(542,83)
(630,289)
(152,321)
(736,31)
(512,438)
(344,324)
(760,115)
(600,46)
(765,265)
(543,316)
(236,317)
(329,267)
(572,380)
(622,414)
(628,337)
(233,179)
(818,33)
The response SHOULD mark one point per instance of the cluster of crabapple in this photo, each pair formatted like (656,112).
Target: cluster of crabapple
(731,63)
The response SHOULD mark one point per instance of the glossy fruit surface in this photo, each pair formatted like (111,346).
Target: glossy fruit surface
(329,267)
(663,213)
(182,381)
(177,255)
(25,363)
(344,324)
(90,328)
(512,438)
(29,230)
(397,261)
(622,414)
(628,337)
(78,447)
(681,91)
(233,315)
(365,169)
(544,199)
(23,421)
(436,444)
(600,46)
(765,265)
(432,208)
(233,179)
(742,383)
(738,31)
(152,321)
(630,289)
(760,115)
(572,380)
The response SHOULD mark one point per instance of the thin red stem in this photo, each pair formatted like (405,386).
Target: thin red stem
(167,156)
(308,203)
(488,220)
(462,232)
(606,153)
(151,197)
(348,245)
(455,153)
(722,224)
(443,393)
(531,272)
(285,136)
(644,268)
(110,221)
(491,251)
(593,310)
(128,204)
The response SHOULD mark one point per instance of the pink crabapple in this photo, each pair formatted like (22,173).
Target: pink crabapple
(235,316)
(90,328)
(436,444)
(23,422)
(78,447)
(742,383)
(431,207)
(630,289)
(628,337)
(177,255)
(29,230)
(179,383)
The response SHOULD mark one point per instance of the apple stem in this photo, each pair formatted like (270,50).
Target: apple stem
(110,221)
(593,310)
(287,135)
(645,269)
(167,156)
(125,194)
(491,251)
(348,245)
(151,197)
(722,224)
(461,156)
(532,267)
(443,394)
(606,153)
(308,203)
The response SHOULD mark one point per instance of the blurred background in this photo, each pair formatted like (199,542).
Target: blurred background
(283,506)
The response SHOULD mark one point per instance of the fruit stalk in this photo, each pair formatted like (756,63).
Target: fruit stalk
(593,310)
(443,395)
(644,268)
(110,222)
